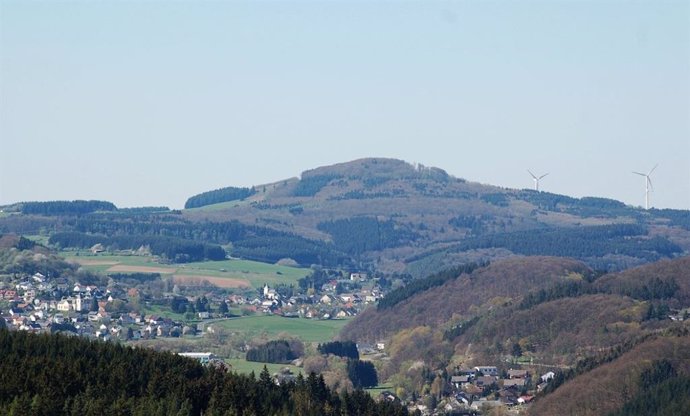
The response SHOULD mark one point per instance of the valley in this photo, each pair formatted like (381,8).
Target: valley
(461,298)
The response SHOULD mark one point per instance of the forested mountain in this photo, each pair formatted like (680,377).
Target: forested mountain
(400,217)
(386,215)
(54,374)
(219,195)
(548,312)
(469,289)
(648,377)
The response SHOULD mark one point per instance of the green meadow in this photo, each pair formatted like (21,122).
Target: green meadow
(240,365)
(308,330)
(256,273)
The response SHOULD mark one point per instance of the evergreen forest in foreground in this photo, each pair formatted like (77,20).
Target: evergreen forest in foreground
(60,375)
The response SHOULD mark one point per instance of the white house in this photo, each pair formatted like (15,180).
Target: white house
(64,305)
(548,376)
(202,357)
(358,276)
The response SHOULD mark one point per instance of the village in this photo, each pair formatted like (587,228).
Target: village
(122,313)
(38,304)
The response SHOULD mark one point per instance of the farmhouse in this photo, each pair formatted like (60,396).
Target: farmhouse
(517,382)
(486,370)
(518,373)
(202,357)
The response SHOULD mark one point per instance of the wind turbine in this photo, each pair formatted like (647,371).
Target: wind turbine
(647,185)
(536,179)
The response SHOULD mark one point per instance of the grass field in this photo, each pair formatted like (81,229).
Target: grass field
(241,365)
(40,239)
(164,312)
(240,273)
(308,330)
(220,206)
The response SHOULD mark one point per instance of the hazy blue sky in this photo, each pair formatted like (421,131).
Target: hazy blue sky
(147,103)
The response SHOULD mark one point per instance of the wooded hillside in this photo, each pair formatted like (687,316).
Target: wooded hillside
(607,388)
(501,281)
(44,375)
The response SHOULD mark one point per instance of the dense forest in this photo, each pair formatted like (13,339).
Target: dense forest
(340,348)
(662,392)
(311,185)
(362,373)
(172,234)
(219,195)
(360,234)
(644,376)
(586,206)
(176,250)
(54,374)
(432,304)
(580,242)
(66,207)
(416,286)
(143,210)
(248,241)
(277,351)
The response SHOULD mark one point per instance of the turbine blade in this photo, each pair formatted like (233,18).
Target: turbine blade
(530,172)
(650,183)
(638,173)
(650,172)
(543,175)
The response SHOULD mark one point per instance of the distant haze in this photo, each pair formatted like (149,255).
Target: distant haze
(148,103)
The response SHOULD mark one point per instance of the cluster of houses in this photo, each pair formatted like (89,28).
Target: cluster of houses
(80,310)
(482,388)
(41,304)
(327,304)
(471,385)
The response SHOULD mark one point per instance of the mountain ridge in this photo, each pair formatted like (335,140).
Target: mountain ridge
(387,215)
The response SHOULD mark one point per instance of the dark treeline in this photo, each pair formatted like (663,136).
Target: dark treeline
(277,351)
(416,286)
(135,277)
(589,363)
(476,223)
(678,217)
(66,207)
(179,304)
(311,185)
(581,242)
(174,249)
(319,278)
(586,206)
(652,289)
(143,210)
(219,195)
(340,348)
(362,373)
(360,234)
(497,199)
(662,393)
(545,200)
(249,241)
(98,378)
(569,289)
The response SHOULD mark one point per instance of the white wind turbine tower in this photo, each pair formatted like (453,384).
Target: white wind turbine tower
(647,185)
(536,179)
